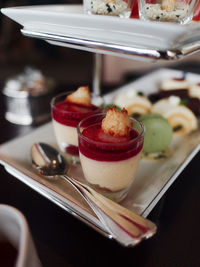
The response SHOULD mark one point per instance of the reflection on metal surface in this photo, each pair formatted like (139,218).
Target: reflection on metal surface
(97,73)
(100,47)
(115,49)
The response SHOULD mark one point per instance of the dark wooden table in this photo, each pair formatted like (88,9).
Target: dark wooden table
(62,240)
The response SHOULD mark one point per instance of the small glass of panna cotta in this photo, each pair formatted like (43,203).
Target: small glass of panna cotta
(67,110)
(110,146)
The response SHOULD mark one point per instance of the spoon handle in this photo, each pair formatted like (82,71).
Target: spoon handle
(125,226)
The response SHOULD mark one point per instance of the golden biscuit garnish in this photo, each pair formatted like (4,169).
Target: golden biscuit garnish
(109,1)
(81,96)
(116,123)
(168,5)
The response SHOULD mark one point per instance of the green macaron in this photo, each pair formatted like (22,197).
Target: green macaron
(158,133)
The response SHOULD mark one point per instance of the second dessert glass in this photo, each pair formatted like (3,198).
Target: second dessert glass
(65,117)
(109,166)
(167,10)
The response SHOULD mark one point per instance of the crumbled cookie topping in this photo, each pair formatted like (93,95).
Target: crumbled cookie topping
(81,96)
(117,123)
(109,1)
(168,5)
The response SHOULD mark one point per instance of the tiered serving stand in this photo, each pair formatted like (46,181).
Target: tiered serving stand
(68,26)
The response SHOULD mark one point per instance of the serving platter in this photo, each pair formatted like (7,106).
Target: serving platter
(152,180)
(67,25)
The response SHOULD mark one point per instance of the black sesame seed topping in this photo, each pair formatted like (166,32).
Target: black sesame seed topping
(109,9)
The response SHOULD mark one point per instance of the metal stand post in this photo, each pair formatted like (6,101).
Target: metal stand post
(97,73)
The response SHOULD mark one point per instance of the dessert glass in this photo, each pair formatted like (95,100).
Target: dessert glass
(178,11)
(109,167)
(65,121)
(121,8)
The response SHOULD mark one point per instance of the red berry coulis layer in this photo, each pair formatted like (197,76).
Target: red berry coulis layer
(102,147)
(72,150)
(71,114)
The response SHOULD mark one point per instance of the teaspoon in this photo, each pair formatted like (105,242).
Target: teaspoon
(122,224)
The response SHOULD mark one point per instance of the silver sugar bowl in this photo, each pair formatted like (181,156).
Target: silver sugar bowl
(27,97)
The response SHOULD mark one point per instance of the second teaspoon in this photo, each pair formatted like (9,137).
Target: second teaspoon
(125,226)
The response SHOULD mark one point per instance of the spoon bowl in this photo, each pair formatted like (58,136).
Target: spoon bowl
(122,224)
(48,161)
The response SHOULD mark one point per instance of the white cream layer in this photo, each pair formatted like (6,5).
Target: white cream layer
(65,134)
(113,175)
(174,84)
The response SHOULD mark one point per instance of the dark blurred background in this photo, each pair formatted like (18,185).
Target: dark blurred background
(65,65)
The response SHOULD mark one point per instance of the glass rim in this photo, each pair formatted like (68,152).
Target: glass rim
(140,135)
(52,103)
(57,96)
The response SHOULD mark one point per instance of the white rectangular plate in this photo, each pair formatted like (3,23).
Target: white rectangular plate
(152,180)
(70,21)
